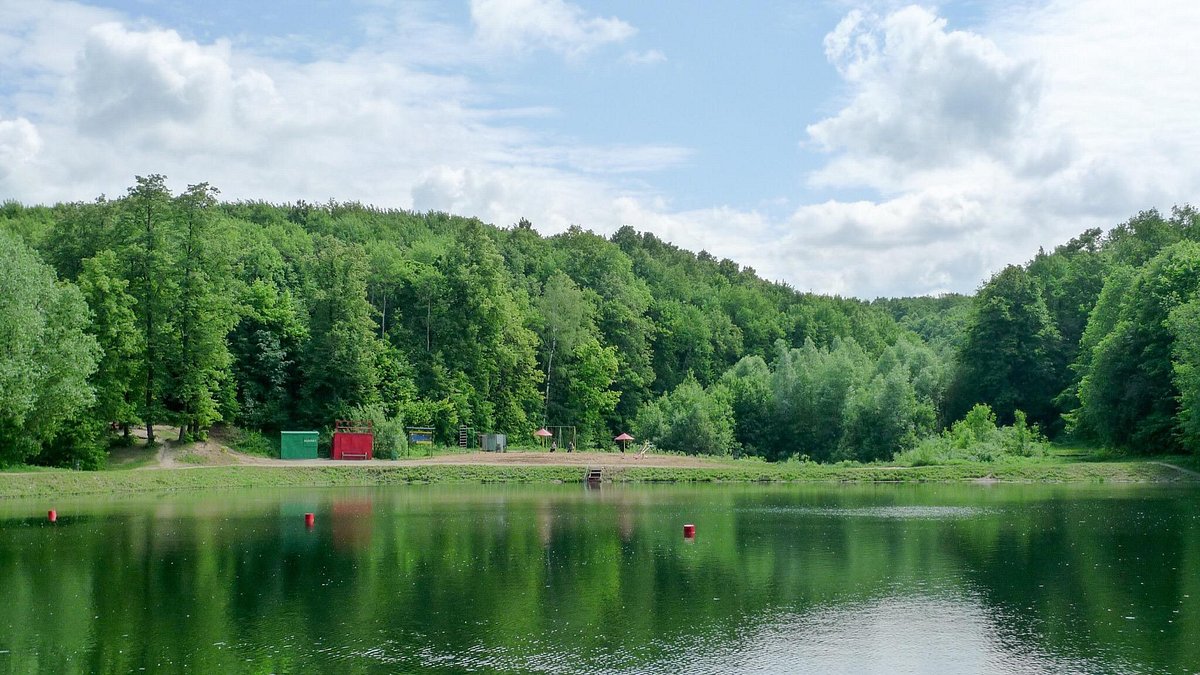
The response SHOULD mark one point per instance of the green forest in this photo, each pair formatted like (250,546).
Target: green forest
(158,308)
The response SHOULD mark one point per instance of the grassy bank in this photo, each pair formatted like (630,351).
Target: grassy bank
(61,482)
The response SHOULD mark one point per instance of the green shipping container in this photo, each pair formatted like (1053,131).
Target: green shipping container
(298,445)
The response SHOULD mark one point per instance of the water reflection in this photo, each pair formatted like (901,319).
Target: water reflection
(561,579)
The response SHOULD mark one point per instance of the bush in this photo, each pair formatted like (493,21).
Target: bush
(254,443)
(79,445)
(976,438)
(390,439)
(688,420)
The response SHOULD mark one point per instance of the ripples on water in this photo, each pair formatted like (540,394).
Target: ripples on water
(893,635)
(826,579)
(892,512)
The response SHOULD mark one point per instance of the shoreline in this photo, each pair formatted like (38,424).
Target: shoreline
(51,483)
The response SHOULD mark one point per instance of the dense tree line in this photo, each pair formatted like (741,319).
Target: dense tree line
(178,309)
(1097,339)
(187,311)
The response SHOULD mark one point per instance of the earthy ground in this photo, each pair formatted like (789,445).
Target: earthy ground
(214,452)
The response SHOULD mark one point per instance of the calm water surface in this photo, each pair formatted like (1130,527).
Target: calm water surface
(562,579)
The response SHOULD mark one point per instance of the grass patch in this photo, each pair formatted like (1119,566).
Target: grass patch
(250,442)
(189,457)
(131,457)
(26,468)
(62,482)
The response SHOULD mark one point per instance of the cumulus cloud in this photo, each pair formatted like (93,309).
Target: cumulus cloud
(922,95)
(965,150)
(137,80)
(984,147)
(525,25)
(19,145)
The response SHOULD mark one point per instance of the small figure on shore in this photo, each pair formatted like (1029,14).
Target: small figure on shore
(553,445)
(571,446)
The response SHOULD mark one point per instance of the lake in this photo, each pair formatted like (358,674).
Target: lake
(567,579)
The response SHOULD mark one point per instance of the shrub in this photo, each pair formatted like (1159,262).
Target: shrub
(254,443)
(390,439)
(976,438)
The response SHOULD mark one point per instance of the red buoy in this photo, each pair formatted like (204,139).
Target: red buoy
(53,516)
(689,531)
(309,519)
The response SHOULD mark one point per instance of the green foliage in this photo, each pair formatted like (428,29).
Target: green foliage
(46,357)
(441,415)
(282,316)
(1130,392)
(977,438)
(1010,352)
(391,441)
(939,321)
(884,418)
(747,387)
(688,420)
(811,388)
(265,346)
(79,444)
(203,313)
(339,361)
(1185,352)
(114,325)
(147,239)
(254,442)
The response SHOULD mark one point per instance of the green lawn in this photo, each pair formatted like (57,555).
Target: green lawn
(1059,467)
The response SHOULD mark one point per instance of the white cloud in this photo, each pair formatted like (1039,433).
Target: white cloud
(646,58)
(982,149)
(366,125)
(923,96)
(965,150)
(19,145)
(525,25)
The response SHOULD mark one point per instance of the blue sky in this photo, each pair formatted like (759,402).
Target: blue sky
(861,148)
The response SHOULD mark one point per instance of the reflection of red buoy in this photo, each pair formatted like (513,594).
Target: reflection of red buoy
(309,519)
(53,516)
(689,531)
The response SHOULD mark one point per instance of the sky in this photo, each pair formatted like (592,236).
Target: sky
(854,148)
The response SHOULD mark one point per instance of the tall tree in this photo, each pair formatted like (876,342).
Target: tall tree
(203,314)
(567,320)
(114,325)
(1185,360)
(266,348)
(339,362)
(1128,394)
(1008,357)
(45,355)
(149,242)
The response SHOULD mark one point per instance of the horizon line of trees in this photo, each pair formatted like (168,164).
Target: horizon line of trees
(160,308)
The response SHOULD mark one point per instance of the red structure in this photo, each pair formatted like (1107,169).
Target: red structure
(353,439)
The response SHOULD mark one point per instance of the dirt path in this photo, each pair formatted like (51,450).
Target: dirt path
(212,454)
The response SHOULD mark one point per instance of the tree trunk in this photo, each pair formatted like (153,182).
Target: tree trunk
(149,329)
(549,363)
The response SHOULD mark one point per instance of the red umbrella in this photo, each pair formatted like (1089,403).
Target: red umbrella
(623,438)
(542,433)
